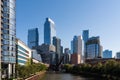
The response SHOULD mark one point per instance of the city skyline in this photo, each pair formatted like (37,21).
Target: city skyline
(71,18)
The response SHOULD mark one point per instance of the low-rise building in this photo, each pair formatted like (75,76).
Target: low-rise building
(23,52)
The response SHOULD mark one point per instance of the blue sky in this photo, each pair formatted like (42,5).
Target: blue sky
(71,17)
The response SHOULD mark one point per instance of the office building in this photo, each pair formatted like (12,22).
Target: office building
(67,56)
(75,58)
(47,52)
(33,37)
(78,47)
(107,54)
(57,44)
(49,31)
(85,36)
(93,48)
(36,57)
(66,50)
(71,47)
(118,55)
(23,52)
(8,36)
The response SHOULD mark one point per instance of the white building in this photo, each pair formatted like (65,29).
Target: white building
(23,52)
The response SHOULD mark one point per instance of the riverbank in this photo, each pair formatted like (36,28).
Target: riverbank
(108,71)
(37,76)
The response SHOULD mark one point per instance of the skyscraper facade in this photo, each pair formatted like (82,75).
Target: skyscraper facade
(49,31)
(93,48)
(85,35)
(8,36)
(77,45)
(118,55)
(107,54)
(71,47)
(57,44)
(33,37)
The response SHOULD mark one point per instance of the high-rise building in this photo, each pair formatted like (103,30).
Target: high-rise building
(33,37)
(49,31)
(67,56)
(85,36)
(107,54)
(118,55)
(78,47)
(66,50)
(71,47)
(8,36)
(93,48)
(57,44)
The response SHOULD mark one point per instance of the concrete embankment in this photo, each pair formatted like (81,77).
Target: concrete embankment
(37,76)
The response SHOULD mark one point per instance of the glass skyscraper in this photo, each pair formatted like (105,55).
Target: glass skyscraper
(57,44)
(8,37)
(77,44)
(85,35)
(49,31)
(93,48)
(33,37)
(107,54)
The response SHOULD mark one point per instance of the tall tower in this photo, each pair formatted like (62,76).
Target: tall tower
(49,31)
(85,35)
(7,38)
(57,44)
(33,37)
(77,44)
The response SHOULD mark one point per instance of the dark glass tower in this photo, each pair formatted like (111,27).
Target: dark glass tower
(8,36)
(57,44)
(49,31)
(33,37)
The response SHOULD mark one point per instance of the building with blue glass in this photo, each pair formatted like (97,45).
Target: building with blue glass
(93,48)
(118,55)
(85,35)
(8,36)
(33,37)
(23,52)
(107,54)
(49,31)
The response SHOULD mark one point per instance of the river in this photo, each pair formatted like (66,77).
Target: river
(65,76)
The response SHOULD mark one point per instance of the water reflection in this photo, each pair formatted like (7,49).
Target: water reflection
(64,76)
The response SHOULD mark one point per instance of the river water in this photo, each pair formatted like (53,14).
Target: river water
(65,76)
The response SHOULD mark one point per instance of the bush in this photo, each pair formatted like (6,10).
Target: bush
(28,70)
